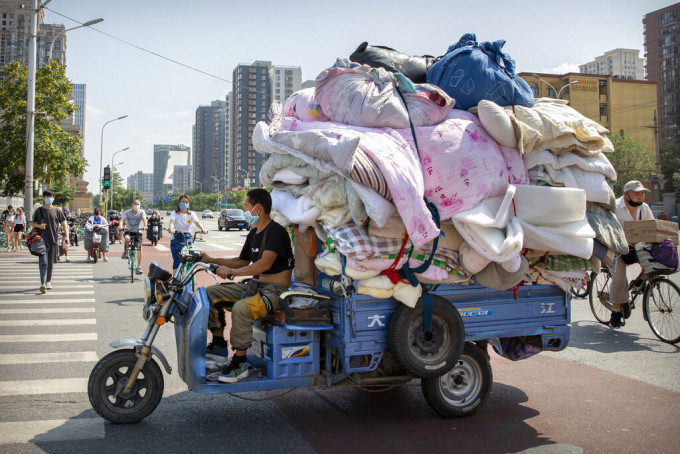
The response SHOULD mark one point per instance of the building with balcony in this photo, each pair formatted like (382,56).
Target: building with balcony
(210,146)
(662,50)
(619,63)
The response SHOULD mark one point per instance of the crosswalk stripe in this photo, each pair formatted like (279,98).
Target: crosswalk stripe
(48,301)
(39,358)
(53,386)
(79,292)
(52,430)
(61,285)
(160,247)
(56,310)
(36,279)
(50,322)
(217,246)
(68,337)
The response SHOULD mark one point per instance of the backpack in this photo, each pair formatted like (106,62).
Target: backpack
(472,71)
(36,245)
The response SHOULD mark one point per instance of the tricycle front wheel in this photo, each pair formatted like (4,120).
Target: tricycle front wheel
(109,377)
(463,390)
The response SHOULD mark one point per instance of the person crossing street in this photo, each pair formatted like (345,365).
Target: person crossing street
(47,219)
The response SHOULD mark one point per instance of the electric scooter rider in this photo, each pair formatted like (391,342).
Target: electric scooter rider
(135,221)
(72,226)
(100,221)
(155,230)
(266,254)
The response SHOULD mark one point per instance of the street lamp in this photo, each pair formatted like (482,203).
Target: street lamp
(101,156)
(569,84)
(218,182)
(545,82)
(86,24)
(199,182)
(247,172)
(114,155)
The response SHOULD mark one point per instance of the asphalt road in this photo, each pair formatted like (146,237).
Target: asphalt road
(609,391)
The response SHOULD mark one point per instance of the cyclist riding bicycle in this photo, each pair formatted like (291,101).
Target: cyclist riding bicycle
(180,227)
(134,222)
(629,207)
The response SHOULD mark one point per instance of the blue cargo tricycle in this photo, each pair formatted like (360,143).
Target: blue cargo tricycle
(332,336)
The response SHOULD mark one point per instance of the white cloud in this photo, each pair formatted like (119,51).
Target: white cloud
(92,110)
(561,69)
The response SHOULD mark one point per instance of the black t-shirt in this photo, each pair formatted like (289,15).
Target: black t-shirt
(278,241)
(52,217)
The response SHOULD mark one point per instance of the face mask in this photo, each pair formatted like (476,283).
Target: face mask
(183,206)
(250,219)
(135,207)
(49,200)
(634,204)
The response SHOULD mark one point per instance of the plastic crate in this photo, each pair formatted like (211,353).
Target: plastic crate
(281,352)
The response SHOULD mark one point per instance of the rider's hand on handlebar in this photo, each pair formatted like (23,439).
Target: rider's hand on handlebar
(205,231)
(225,272)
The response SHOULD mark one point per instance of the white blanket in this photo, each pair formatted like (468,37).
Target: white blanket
(299,210)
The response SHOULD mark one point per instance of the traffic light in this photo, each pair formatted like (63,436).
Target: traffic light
(107,177)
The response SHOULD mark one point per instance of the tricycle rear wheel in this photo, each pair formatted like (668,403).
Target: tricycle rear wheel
(427,354)
(106,383)
(463,390)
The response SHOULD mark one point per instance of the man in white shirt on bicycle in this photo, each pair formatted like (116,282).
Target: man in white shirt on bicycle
(134,222)
(630,206)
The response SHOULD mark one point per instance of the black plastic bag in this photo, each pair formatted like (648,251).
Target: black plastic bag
(413,67)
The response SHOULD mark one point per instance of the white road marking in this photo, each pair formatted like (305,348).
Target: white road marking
(79,292)
(48,301)
(160,247)
(36,279)
(56,310)
(50,322)
(53,386)
(69,337)
(218,246)
(61,285)
(38,358)
(52,430)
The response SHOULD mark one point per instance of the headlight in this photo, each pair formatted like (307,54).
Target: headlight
(148,292)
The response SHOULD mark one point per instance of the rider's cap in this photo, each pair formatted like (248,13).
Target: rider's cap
(634,186)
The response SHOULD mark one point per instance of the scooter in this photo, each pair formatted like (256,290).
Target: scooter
(330,336)
(97,232)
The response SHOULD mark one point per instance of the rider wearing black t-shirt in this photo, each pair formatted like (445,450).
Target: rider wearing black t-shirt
(267,252)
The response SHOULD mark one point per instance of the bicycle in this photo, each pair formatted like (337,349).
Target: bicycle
(131,248)
(188,249)
(660,302)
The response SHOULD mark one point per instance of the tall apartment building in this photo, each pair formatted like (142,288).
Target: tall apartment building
(619,63)
(78,94)
(165,157)
(252,97)
(210,149)
(14,22)
(284,81)
(140,181)
(662,50)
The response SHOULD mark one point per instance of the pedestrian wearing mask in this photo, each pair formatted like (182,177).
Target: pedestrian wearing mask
(9,222)
(46,219)
(181,221)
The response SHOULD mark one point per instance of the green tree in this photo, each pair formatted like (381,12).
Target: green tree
(669,157)
(631,161)
(63,192)
(56,152)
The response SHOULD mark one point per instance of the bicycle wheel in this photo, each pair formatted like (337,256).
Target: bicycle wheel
(582,290)
(598,295)
(661,305)
(132,264)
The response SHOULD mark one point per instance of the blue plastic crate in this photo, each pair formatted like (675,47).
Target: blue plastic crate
(284,353)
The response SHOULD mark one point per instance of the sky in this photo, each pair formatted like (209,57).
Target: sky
(131,73)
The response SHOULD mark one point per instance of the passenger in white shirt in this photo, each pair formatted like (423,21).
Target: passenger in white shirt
(630,206)
(181,221)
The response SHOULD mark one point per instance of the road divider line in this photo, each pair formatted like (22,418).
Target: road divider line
(52,430)
(50,322)
(61,285)
(69,337)
(39,358)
